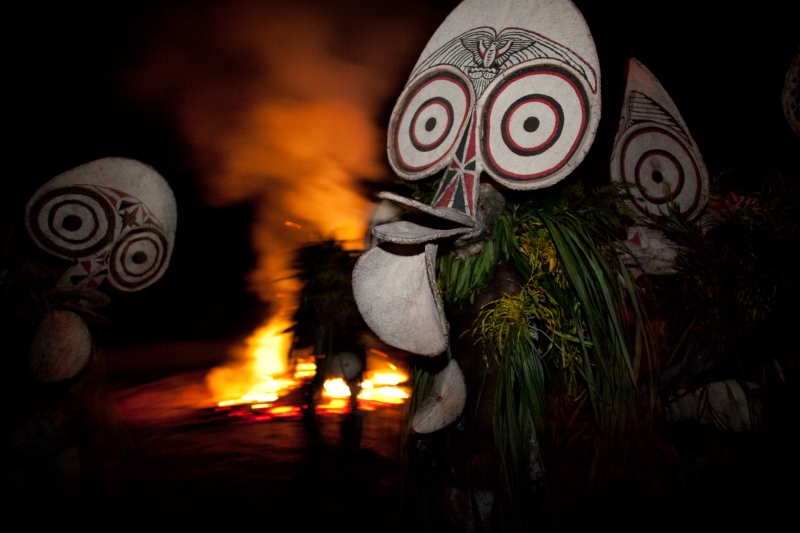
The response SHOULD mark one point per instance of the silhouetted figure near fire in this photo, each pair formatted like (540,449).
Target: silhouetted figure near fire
(328,321)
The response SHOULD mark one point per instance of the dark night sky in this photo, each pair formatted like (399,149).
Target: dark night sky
(68,105)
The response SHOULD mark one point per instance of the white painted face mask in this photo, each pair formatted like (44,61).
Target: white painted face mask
(654,153)
(510,88)
(115,219)
(659,163)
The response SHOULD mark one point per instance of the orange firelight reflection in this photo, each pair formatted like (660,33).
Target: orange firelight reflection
(262,377)
(392,394)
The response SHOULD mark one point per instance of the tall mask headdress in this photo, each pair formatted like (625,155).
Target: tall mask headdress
(506,87)
(654,153)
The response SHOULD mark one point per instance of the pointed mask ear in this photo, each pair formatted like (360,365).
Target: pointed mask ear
(655,156)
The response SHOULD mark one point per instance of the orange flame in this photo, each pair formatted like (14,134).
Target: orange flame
(278,105)
(260,376)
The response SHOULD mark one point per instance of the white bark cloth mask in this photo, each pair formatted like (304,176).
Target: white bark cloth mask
(114,217)
(654,153)
(506,87)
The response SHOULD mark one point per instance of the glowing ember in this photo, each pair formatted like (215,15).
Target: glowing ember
(382,382)
(286,409)
(337,388)
(391,395)
(389,378)
(335,406)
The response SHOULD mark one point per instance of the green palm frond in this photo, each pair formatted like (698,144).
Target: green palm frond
(461,279)
(567,329)
(734,272)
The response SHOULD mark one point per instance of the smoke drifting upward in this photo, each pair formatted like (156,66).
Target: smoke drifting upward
(279,107)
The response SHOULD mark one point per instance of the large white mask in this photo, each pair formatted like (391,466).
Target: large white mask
(114,217)
(506,87)
(654,153)
(115,220)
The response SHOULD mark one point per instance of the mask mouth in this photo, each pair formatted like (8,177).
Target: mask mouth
(434,223)
(490,206)
(448,214)
(81,301)
(394,283)
(397,295)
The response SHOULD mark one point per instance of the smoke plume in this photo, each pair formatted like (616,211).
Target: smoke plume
(278,105)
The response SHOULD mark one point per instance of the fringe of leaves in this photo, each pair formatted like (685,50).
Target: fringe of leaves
(733,273)
(573,334)
(566,331)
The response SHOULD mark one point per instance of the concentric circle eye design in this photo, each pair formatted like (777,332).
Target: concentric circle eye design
(431,124)
(534,121)
(662,168)
(138,259)
(658,169)
(72,222)
(427,122)
(532,125)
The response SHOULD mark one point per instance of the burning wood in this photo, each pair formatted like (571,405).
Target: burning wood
(259,385)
